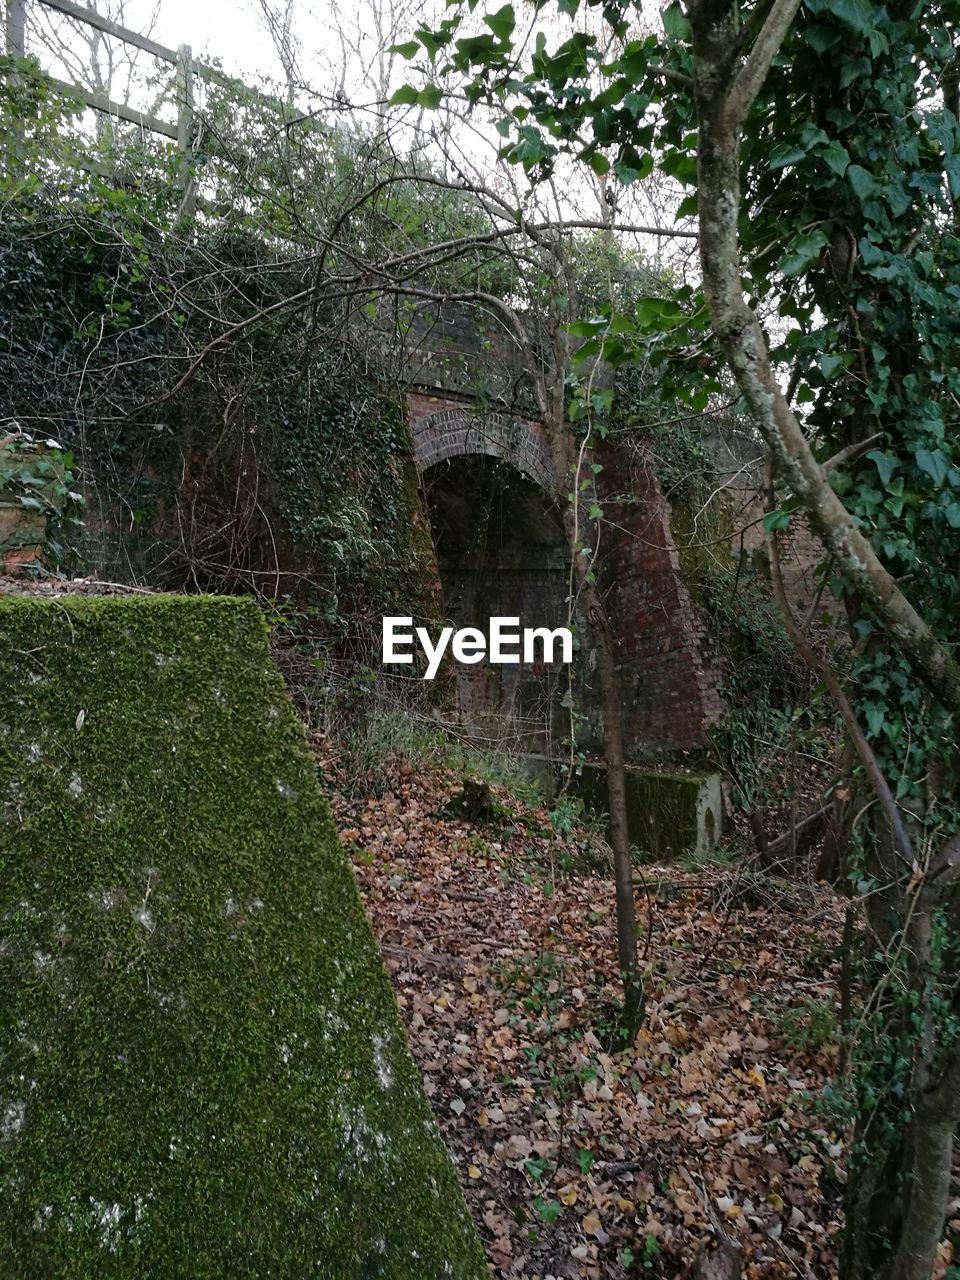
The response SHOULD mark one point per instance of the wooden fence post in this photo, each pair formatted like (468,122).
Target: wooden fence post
(16,28)
(16,47)
(185,127)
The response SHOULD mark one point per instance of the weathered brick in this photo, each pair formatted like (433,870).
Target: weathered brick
(670,691)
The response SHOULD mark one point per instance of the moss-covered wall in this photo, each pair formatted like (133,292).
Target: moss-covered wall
(278,467)
(202,1069)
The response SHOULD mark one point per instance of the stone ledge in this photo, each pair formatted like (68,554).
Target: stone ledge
(669,813)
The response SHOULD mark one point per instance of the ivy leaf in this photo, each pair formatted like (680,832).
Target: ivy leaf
(662,312)
(549,1210)
(502,22)
(587,328)
(688,206)
(861,181)
(836,156)
(875,715)
(933,464)
(675,23)
(822,37)
(680,165)
(407,50)
(805,250)
(858,14)
(477,49)
(627,173)
(785,153)
(870,255)
(885,464)
(430,96)
(591,347)
(405,96)
(779,519)
(434,41)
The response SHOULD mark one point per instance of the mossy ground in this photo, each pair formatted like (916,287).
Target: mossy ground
(202,1071)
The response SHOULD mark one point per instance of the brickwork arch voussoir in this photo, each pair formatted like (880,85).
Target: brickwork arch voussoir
(456,433)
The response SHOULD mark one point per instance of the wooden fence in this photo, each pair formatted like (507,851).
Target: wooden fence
(186,70)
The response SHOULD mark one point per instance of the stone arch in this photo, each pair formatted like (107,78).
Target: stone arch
(456,431)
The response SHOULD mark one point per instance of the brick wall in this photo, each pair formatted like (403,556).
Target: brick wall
(454,347)
(739,476)
(442,427)
(670,692)
(22,535)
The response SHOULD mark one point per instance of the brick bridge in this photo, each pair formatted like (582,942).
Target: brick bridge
(459,430)
(487,483)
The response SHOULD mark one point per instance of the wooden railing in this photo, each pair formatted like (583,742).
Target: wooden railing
(181,133)
(186,70)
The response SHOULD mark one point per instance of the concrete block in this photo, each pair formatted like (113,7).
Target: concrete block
(669,813)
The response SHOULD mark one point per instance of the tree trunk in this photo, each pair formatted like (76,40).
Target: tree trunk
(930,1144)
(896,1210)
(566,478)
(633,994)
(613,755)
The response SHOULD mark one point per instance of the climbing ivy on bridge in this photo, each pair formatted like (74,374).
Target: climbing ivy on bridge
(217,479)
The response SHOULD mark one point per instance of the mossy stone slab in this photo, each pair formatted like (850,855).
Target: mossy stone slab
(202,1068)
(669,813)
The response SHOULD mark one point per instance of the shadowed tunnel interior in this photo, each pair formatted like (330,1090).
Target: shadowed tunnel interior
(500,551)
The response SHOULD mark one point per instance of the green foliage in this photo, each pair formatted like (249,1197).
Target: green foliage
(37,476)
(808,1026)
(35,120)
(581,847)
(207,392)
(100,310)
(874,320)
(382,733)
(723,855)
(202,1068)
(767,689)
(37,473)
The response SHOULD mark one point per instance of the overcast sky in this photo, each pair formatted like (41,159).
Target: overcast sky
(235,33)
(224,28)
(230,30)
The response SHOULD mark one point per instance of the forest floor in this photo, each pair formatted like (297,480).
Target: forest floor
(579,1159)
